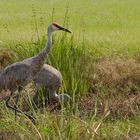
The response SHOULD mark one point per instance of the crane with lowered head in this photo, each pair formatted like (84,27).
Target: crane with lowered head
(50,80)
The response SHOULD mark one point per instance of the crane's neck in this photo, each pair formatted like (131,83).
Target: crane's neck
(38,61)
(42,56)
(49,43)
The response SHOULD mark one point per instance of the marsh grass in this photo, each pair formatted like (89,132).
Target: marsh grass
(74,55)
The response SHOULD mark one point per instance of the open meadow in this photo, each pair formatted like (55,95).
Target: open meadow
(99,62)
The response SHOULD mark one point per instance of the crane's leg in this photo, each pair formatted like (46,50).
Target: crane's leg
(47,97)
(16,101)
(7,101)
(15,106)
(17,110)
(35,100)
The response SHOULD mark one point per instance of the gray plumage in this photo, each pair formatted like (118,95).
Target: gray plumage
(18,75)
(50,79)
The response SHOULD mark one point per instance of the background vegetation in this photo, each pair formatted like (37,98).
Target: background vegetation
(99,63)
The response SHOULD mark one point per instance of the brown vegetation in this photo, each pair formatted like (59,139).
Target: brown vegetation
(121,74)
(116,83)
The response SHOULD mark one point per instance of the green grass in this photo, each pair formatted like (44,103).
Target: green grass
(101,28)
(109,25)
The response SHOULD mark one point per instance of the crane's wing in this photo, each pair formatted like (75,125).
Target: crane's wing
(14,75)
(48,77)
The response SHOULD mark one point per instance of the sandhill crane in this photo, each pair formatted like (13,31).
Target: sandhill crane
(50,80)
(16,76)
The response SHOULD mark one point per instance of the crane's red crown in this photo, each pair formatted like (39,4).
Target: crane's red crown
(56,25)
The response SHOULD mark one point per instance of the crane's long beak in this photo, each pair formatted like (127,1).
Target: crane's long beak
(63,29)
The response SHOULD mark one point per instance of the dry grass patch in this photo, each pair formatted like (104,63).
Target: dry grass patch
(125,107)
(116,83)
(121,75)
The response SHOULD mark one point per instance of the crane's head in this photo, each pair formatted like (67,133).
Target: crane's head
(55,27)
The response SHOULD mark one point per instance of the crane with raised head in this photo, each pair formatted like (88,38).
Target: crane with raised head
(50,80)
(18,75)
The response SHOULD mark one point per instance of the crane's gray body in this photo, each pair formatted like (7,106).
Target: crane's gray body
(20,74)
(49,78)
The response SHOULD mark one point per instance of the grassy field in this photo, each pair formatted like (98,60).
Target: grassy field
(99,62)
